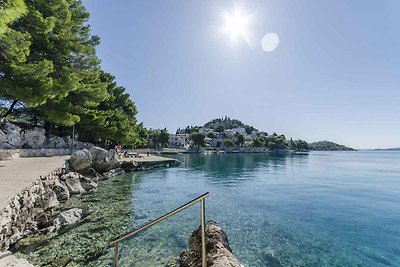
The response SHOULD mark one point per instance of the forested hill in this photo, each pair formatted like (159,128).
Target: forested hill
(219,125)
(227,123)
(329,146)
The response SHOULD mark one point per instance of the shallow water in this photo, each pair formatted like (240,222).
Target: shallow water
(324,209)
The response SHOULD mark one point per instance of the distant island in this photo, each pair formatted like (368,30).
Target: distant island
(328,146)
(389,149)
(232,135)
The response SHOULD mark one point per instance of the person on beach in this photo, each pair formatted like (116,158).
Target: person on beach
(118,150)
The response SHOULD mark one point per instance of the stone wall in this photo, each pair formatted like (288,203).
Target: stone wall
(29,153)
(13,137)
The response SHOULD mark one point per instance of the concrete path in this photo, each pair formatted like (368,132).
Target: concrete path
(12,261)
(16,174)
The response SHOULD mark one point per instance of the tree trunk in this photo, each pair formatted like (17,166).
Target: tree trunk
(10,109)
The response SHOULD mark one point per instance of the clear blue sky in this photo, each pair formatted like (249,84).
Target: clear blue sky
(335,74)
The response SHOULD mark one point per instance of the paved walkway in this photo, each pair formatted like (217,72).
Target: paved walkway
(12,261)
(16,174)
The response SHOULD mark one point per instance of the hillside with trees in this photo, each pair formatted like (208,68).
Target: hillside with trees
(329,146)
(50,75)
(220,130)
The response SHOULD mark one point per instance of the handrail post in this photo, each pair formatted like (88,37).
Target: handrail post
(203,232)
(200,199)
(116,254)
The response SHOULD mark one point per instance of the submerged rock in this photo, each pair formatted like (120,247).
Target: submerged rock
(219,254)
(70,217)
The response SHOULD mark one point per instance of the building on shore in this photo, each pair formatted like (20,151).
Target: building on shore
(178,141)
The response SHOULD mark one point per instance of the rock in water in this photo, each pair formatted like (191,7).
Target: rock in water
(80,160)
(69,217)
(219,254)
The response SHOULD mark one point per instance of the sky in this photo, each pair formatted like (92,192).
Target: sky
(334,73)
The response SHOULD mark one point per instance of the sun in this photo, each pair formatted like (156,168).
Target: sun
(236,25)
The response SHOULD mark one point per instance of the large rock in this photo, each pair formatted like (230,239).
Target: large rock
(3,139)
(77,183)
(56,142)
(61,190)
(80,160)
(47,200)
(103,160)
(70,217)
(219,254)
(14,139)
(34,138)
(9,127)
(73,182)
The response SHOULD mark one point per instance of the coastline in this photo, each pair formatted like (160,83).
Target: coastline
(37,193)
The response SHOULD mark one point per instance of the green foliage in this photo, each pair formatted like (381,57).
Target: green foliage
(228,143)
(329,146)
(210,135)
(188,130)
(49,64)
(226,123)
(219,128)
(198,139)
(10,10)
(239,140)
(257,142)
(158,137)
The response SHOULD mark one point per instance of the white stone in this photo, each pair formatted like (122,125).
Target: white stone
(103,160)
(70,217)
(34,138)
(56,142)
(80,160)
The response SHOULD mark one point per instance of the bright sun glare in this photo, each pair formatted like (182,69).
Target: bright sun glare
(236,25)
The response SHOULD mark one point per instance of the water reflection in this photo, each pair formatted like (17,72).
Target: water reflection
(231,169)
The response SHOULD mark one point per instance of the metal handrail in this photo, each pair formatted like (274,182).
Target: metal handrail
(200,199)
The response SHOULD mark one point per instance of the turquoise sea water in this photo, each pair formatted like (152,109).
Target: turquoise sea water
(321,209)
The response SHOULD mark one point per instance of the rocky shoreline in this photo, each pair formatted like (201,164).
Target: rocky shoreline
(31,212)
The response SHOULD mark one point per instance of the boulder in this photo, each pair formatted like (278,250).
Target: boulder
(3,139)
(219,254)
(73,182)
(56,142)
(34,138)
(80,160)
(61,191)
(47,200)
(9,127)
(87,183)
(70,217)
(103,160)
(92,174)
(14,139)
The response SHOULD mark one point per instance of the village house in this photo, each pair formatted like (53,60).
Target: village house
(178,141)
